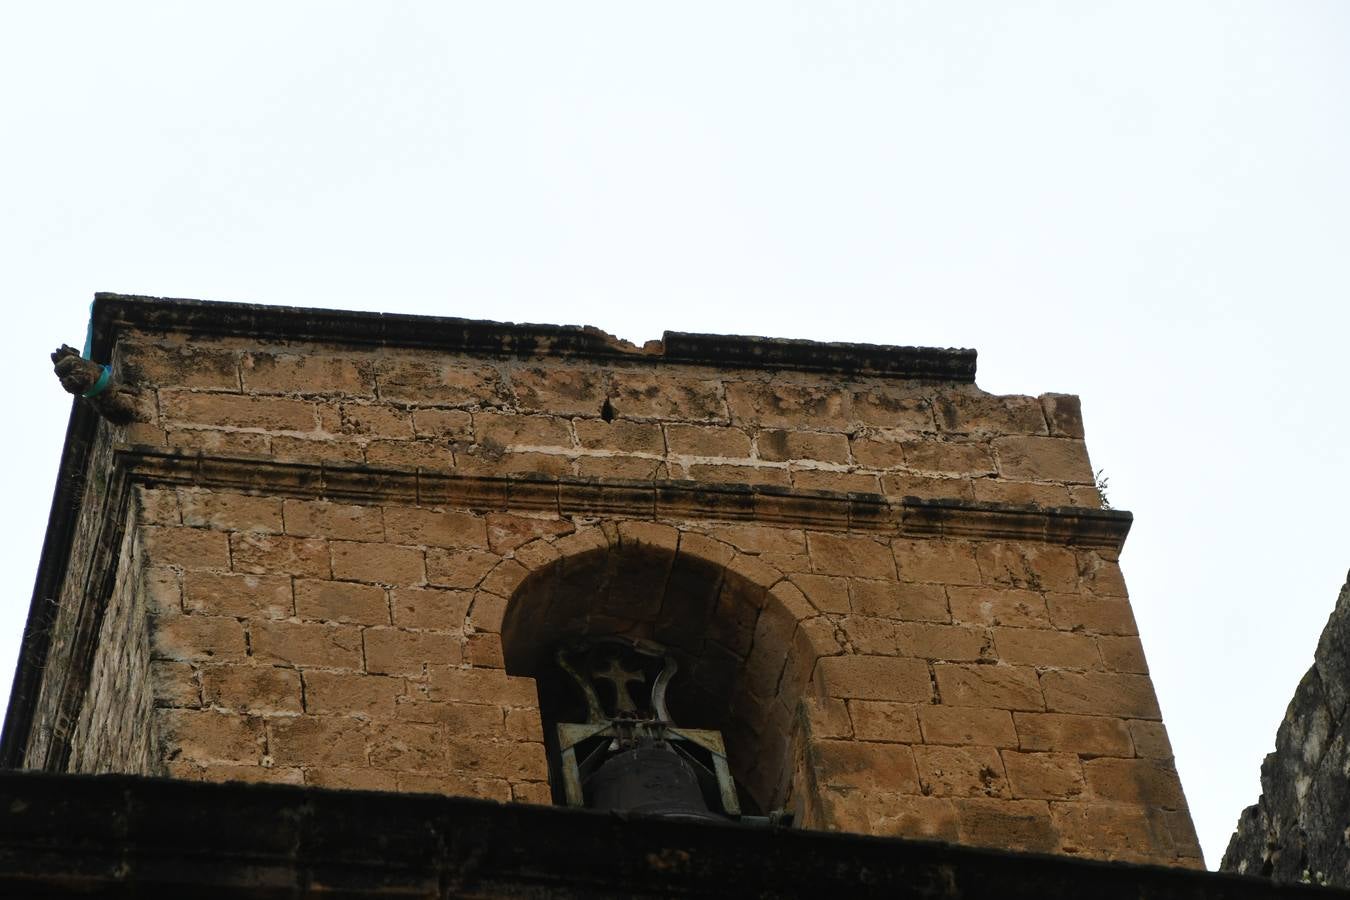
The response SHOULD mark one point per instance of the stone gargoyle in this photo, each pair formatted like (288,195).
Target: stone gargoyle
(96,384)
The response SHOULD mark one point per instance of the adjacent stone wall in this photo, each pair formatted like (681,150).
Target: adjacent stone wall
(1299,829)
(60,696)
(115,730)
(963,686)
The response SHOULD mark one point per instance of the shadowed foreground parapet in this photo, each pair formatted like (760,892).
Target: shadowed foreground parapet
(122,836)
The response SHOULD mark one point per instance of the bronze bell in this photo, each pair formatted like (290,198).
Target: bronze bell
(650,779)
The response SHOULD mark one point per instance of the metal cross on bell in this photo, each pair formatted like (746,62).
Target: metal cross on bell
(630,756)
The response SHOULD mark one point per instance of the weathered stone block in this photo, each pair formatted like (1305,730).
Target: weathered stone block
(780,404)
(1043,459)
(393,651)
(236,411)
(621,436)
(245,596)
(503,430)
(1109,831)
(860,557)
(1064,413)
(912,602)
(878,452)
(407,746)
(430,608)
(317,741)
(1007,824)
(1046,649)
(473,685)
(1150,740)
(990,687)
(230,512)
(187,548)
(1123,654)
(992,606)
(208,735)
(351,694)
(341,601)
(506,532)
(707,441)
(1144,782)
(838,482)
(1035,567)
(255,689)
(1044,776)
(559,390)
(517,761)
(307,373)
(174,684)
(875,678)
(960,772)
(1100,693)
(976,412)
(305,644)
(436,382)
(335,521)
(884,721)
(922,818)
(650,395)
(197,638)
(967,726)
(434,528)
(1095,615)
(179,365)
(948,458)
(884,407)
(372,420)
(940,562)
(726,474)
(871,767)
(826,717)
(927,487)
(382,563)
(956,643)
(1088,735)
(262,554)
(454,425)
(780,445)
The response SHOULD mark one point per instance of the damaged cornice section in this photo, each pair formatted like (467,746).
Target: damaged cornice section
(199,318)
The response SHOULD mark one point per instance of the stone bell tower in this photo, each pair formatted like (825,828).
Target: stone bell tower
(356,550)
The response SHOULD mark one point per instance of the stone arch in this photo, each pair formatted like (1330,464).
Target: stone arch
(746,639)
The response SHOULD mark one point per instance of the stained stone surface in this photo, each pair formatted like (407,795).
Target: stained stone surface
(1299,829)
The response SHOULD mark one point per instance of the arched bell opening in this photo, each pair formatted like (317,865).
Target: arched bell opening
(728,636)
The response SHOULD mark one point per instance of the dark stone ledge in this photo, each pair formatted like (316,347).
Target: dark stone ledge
(124,836)
(771,504)
(199,318)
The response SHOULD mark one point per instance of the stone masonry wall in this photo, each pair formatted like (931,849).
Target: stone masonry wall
(976,689)
(815,432)
(1299,829)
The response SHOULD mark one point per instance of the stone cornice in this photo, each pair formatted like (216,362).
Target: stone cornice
(817,510)
(114,312)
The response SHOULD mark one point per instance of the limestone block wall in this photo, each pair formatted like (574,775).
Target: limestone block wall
(352,559)
(633,420)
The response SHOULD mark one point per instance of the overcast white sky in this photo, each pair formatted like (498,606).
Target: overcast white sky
(1145,203)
